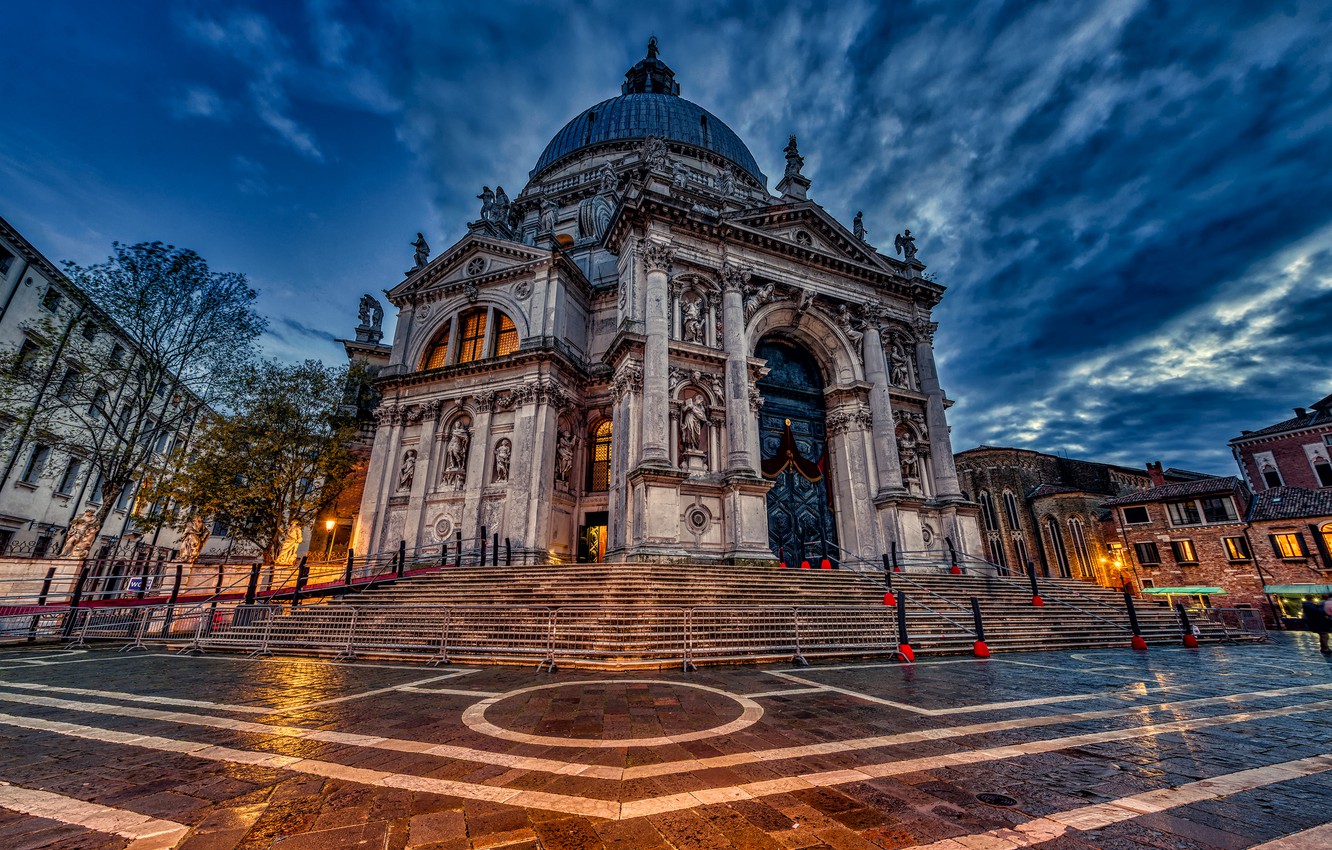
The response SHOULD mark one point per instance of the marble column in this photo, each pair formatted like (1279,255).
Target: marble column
(886,462)
(656,353)
(941,445)
(740,451)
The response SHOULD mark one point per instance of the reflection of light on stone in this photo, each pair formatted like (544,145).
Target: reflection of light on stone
(298,680)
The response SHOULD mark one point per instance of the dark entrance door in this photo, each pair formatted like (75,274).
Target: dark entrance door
(793,447)
(592,538)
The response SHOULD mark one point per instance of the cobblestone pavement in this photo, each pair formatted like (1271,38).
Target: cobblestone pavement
(1223,747)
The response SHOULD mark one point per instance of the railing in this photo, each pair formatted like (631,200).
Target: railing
(534,634)
(1234,621)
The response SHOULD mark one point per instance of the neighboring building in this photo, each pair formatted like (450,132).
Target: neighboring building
(1046,510)
(1291,533)
(1293,453)
(1189,534)
(646,354)
(43,491)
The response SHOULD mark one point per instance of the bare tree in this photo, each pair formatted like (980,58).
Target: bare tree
(134,352)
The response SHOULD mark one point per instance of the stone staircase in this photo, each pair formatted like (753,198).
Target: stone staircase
(614,615)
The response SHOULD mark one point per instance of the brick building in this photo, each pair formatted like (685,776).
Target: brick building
(1294,453)
(1046,510)
(1291,530)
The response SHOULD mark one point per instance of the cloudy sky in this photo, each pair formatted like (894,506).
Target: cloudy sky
(1130,202)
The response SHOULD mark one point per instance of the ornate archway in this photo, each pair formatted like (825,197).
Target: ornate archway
(793,447)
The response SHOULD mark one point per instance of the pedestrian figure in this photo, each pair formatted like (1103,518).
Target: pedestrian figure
(1318,618)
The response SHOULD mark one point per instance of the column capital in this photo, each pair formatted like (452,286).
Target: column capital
(657,256)
(735,278)
(924,329)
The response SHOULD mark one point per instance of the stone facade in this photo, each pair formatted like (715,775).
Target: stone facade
(1046,510)
(578,373)
(1294,453)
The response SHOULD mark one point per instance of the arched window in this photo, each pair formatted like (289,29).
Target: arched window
(438,353)
(1057,544)
(1010,508)
(1326,531)
(479,333)
(987,511)
(599,458)
(997,553)
(1079,535)
(1023,556)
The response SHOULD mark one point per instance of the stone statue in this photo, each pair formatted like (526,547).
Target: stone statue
(726,182)
(564,456)
(547,220)
(899,368)
(905,244)
(594,213)
(422,252)
(370,314)
(692,321)
(503,451)
(794,161)
(906,453)
(858,226)
(692,417)
(291,544)
(847,323)
(455,451)
(503,209)
(655,153)
(679,175)
(756,298)
(407,472)
(487,199)
(81,536)
(192,539)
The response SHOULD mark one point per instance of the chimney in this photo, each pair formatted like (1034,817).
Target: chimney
(1158,477)
(1301,412)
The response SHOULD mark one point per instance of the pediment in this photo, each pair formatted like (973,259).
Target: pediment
(810,226)
(476,259)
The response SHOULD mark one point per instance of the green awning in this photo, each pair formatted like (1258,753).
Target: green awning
(1297,589)
(1183,591)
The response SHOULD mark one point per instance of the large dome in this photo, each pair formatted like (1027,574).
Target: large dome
(649,106)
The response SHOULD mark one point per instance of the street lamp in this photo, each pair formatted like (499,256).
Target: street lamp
(329,525)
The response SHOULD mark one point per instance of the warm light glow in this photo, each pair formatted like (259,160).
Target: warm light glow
(330,524)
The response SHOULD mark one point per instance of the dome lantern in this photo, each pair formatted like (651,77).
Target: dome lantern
(650,75)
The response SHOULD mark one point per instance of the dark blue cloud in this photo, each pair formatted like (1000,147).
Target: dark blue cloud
(1127,200)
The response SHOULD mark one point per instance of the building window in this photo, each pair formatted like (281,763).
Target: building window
(1237,548)
(67,384)
(1289,545)
(1010,508)
(1020,547)
(987,511)
(1321,467)
(1271,477)
(89,331)
(1326,532)
(126,498)
(1057,546)
(6,261)
(51,300)
(438,355)
(117,355)
(36,462)
(71,477)
(598,473)
(997,553)
(1079,535)
(98,407)
(1183,513)
(1136,515)
(506,335)
(1183,551)
(471,335)
(1147,553)
(26,354)
(1218,509)
(96,497)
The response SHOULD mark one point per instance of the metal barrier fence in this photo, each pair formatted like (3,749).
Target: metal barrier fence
(541,635)
(1245,621)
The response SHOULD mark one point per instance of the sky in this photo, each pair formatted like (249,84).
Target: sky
(1130,202)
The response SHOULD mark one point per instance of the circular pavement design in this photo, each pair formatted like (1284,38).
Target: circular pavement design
(704,707)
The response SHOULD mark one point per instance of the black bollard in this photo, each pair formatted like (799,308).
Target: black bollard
(508,553)
(494,550)
(1035,591)
(888,598)
(979,649)
(347,572)
(1190,640)
(457,539)
(903,640)
(402,557)
(1138,642)
(952,558)
(253,587)
(302,575)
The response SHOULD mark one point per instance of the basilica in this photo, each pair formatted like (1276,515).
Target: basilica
(646,354)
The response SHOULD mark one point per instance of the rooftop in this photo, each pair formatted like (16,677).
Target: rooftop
(1319,413)
(1182,490)
(1291,503)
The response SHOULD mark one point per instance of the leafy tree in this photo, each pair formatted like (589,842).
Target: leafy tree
(130,358)
(277,460)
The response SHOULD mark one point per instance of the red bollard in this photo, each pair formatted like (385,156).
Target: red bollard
(889,599)
(1138,642)
(905,653)
(804,565)
(825,564)
(980,650)
(1038,602)
(955,570)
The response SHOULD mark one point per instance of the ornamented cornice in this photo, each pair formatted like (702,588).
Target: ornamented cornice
(842,421)
(628,378)
(485,400)
(735,278)
(924,329)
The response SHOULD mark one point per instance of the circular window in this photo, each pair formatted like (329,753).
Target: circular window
(698,519)
(803,238)
(475,266)
(443,527)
